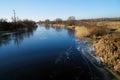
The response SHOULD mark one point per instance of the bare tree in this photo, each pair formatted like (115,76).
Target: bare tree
(47,21)
(71,21)
(71,18)
(14,16)
(58,21)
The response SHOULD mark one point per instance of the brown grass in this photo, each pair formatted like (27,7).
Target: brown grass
(94,31)
(81,32)
(98,31)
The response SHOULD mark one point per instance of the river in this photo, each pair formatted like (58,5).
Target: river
(48,53)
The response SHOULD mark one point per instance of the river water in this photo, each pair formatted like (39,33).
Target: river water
(48,53)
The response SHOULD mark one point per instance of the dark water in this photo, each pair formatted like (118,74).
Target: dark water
(45,53)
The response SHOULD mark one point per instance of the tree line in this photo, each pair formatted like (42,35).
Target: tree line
(71,21)
(17,25)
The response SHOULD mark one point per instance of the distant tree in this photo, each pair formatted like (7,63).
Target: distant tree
(58,20)
(14,18)
(47,21)
(71,21)
(71,18)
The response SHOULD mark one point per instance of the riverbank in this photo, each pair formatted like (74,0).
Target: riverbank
(108,49)
(105,37)
(62,26)
(18,26)
(106,42)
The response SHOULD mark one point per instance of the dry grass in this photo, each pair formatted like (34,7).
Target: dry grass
(108,48)
(118,30)
(90,31)
(98,30)
(81,32)
(70,27)
(109,24)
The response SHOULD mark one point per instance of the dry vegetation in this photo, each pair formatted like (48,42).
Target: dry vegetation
(90,30)
(81,32)
(108,48)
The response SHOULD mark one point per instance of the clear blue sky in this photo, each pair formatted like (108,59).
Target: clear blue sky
(51,9)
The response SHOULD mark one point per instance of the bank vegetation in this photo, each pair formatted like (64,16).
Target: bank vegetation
(13,26)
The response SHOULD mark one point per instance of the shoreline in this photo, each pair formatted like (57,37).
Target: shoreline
(106,45)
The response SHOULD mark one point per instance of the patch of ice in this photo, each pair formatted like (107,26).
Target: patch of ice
(87,50)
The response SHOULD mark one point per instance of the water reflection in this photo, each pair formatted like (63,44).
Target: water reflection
(16,37)
(70,32)
(59,29)
(5,39)
(47,27)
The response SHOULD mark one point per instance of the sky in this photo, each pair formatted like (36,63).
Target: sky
(52,9)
